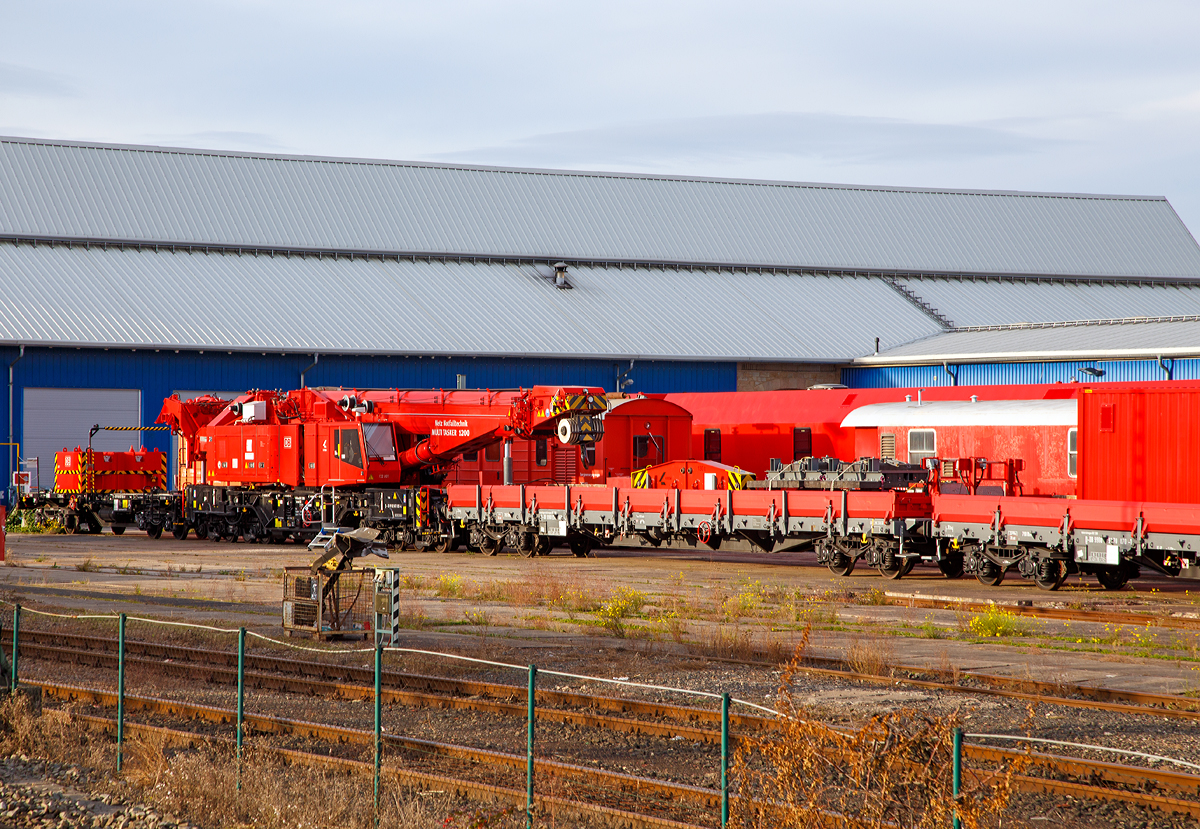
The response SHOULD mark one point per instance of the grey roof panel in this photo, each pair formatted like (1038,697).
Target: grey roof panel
(1076,342)
(974,302)
(142,298)
(66,190)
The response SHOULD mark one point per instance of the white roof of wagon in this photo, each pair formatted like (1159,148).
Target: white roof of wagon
(965,413)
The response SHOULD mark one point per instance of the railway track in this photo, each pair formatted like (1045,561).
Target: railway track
(648,717)
(500,770)
(623,790)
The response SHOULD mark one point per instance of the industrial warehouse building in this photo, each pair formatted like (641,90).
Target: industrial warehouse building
(131,273)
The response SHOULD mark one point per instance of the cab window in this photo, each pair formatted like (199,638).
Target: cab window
(349,447)
(648,449)
(381,445)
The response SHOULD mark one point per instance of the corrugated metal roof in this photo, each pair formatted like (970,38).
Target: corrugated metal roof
(138,297)
(1075,342)
(971,302)
(68,190)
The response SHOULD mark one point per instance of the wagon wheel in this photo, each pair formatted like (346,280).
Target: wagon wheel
(488,545)
(118,530)
(841,564)
(155,531)
(580,546)
(909,565)
(527,546)
(255,532)
(951,566)
(1050,573)
(544,545)
(1112,579)
(180,531)
(891,567)
(989,573)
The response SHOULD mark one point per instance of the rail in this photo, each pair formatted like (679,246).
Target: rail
(681,722)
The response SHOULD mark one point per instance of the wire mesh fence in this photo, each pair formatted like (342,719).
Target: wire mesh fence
(523,745)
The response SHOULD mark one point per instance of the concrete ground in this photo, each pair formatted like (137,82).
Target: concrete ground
(239,584)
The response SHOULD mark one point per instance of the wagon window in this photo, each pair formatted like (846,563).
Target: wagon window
(801,442)
(712,445)
(922,444)
(541,452)
(1073,453)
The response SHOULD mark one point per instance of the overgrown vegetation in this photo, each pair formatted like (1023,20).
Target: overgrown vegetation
(893,771)
(31,521)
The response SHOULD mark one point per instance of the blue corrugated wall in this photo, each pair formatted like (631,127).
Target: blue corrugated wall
(992,374)
(159,374)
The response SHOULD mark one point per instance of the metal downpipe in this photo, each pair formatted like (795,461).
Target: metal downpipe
(316,359)
(10,412)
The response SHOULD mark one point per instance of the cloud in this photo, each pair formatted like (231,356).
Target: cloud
(840,139)
(25,80)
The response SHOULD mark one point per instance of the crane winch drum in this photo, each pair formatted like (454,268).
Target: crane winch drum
(580,429)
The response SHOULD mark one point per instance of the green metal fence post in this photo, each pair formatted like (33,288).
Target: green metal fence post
(16,632)
(120,690)
(378,721)
(724,760)
(529,750)
(241,701)
(957,778)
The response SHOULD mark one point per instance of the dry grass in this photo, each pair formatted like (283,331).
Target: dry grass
(199,784)
(871,655)
(893,771)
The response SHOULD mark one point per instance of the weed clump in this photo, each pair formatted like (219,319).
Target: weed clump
(624,603)
(997,622)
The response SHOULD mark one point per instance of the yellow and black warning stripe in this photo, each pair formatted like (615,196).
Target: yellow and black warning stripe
(641,478)
(738,479)
(133,429)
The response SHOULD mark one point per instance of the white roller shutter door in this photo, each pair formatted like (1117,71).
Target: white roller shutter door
(56,419)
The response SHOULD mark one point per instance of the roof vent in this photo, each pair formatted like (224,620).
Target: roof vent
(560,276)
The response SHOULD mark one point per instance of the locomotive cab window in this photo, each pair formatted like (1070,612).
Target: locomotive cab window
(471,457)
(712,445)
(541,452)
(381,444)
(349,447)
(1073,453)
(922,444)
(491,452)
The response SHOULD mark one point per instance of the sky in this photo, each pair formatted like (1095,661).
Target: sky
(1092,97)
